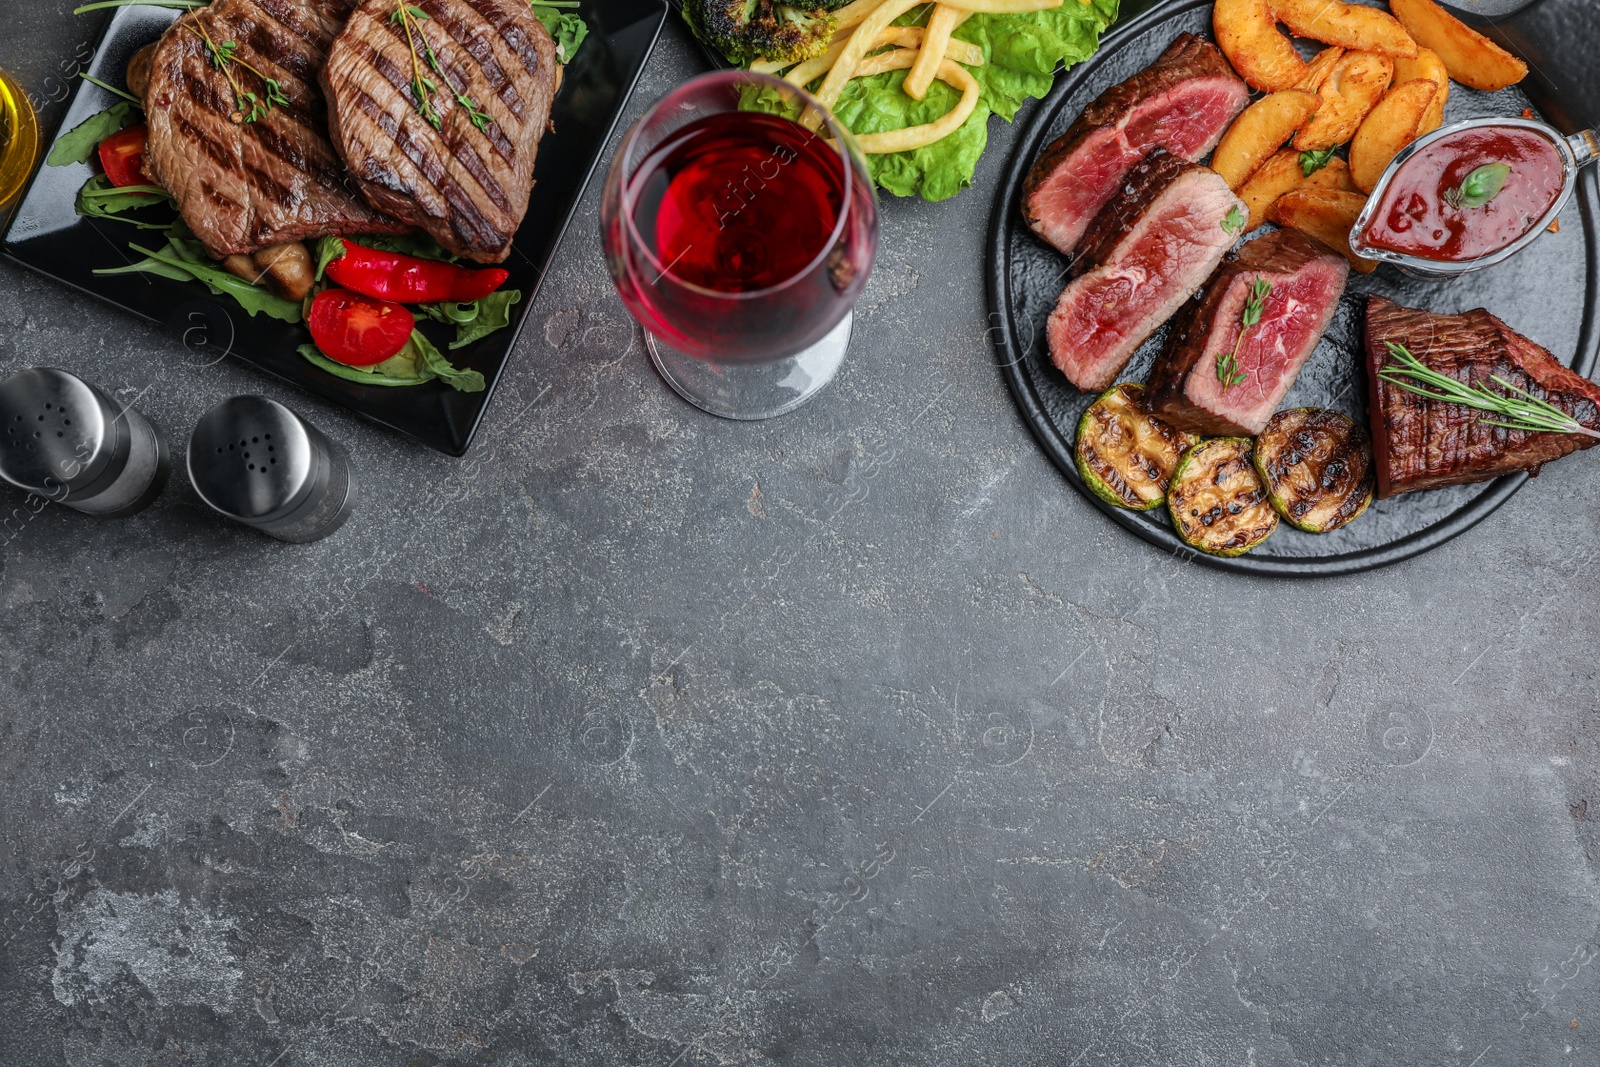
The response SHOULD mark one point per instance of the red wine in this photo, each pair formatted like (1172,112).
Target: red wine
(740,201)
(739,213)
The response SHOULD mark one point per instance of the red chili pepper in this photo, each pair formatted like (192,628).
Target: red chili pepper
(409,280)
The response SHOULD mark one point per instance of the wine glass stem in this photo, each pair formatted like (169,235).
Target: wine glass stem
(1585,145)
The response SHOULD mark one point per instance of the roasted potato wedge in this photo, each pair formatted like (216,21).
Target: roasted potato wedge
(1265,127)
(1353,87)
(1248,35)
(1352,26)
(1393,124)
(1283,174)
(1427,65)
(1319,68)
(1472,59)
(1327,215)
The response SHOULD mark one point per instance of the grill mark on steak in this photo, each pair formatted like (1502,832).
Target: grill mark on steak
(1184,388)
(467,187)
(1425,444)
(1182,103)
(244,186)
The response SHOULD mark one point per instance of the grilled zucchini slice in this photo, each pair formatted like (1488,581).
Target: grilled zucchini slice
(1317,467)
(1218,503)
(1126,455)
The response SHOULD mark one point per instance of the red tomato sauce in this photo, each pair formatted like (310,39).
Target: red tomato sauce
(1415,218)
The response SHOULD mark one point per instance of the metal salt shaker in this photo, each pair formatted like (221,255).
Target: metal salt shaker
(258,463)
(67,441)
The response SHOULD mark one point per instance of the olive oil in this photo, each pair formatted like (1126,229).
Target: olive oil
(19,138)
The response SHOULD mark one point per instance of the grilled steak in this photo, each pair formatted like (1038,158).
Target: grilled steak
(1424,444)
(1186,386)
(247,185)
(1183,104)
(1141,259)
(463,171)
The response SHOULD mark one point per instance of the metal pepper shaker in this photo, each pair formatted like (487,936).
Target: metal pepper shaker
(64,439)
(258,463)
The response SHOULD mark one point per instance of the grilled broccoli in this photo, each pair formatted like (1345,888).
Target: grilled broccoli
(748,30)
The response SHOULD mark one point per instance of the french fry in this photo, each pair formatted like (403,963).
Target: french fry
(855,49)
(1005,7)
(852,15)
(900,36)
(1352,26)
(1427,65)
(1354,86)
(1327,215)
(1263,129)
(1248,35)
(1319,68)
(1472,59)
(935,41)
(1392,125)
(915,137)
(1283,174)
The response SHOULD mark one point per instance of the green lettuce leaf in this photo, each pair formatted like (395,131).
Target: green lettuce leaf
(566,27)
(183,259)
(1023,54)
(83,140)
(418,362)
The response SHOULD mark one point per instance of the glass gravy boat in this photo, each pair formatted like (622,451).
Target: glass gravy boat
(1575,152)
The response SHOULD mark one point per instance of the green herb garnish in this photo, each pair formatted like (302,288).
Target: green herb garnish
(423,88)
(567,27)
(248,107)
(83,140)
(1315,160)
(186,260)
(1517,408)
(418,362)
(1228,372)
(99,199)
(1233,225)
(1479,187)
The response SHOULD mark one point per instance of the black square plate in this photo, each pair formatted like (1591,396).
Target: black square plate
(47,234)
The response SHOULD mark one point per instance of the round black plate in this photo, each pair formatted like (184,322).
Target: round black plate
(1550,293)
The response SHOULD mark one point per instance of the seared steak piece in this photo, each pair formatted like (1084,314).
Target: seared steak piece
(1424,444)
(1183,104)
(467,179)
(1142,258)
(1186,388)
(247,185)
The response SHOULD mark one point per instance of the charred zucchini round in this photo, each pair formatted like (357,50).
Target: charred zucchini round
(1125,454)
(1317,467)
(1217,500)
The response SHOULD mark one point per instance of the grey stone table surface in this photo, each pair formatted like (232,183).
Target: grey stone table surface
(637,737)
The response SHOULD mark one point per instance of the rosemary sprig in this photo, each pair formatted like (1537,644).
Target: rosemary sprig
(1517,408)
(1228,372)
(423,88)
(248,107)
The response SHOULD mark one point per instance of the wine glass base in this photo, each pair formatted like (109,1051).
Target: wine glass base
(752,391)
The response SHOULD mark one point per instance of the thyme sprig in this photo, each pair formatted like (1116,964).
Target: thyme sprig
(1228,372)
(1517,408)
(248,107)
(423,88)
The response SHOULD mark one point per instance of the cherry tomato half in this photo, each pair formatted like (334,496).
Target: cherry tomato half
(357,330)
(122,155)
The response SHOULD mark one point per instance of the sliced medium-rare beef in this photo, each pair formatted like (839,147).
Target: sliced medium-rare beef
(1183,103)
(244,181)
(456,161)
(1424,444)
(1187,390)
(1145,253)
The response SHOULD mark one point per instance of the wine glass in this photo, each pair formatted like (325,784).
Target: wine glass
(19,138)
(740,225)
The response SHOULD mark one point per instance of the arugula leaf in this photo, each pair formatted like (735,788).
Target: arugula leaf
(1479,187)
(466,381)
(406,244)
(494,315)
(99,199)
(81,142)
(417,363)
(1314,160)
(183,260)
(329,249)
(568,28)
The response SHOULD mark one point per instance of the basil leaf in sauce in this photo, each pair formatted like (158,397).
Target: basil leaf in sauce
(1479,187)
